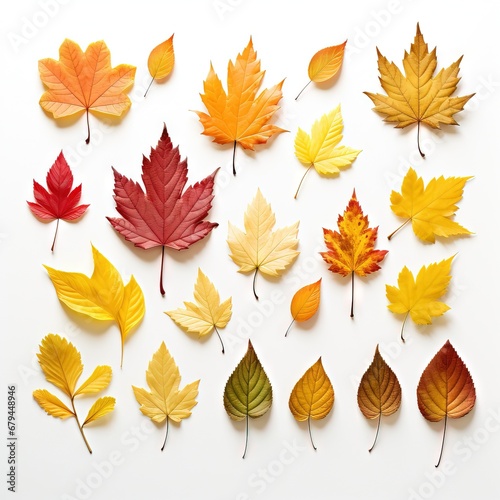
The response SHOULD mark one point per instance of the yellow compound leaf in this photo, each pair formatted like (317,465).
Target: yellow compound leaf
(321,149)
(445,389)
(260,248)
(305,303)
(418,298)
(429,209)
(379,391)
(102,296)
(207,314)
(418,96)
(161,61)
(165,401)
(62,366)
(312,397)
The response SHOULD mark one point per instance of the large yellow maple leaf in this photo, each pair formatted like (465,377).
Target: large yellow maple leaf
(85,81)
(240,116)
(260,248)
(418,96)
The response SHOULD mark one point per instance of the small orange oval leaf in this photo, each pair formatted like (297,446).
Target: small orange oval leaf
(326,63)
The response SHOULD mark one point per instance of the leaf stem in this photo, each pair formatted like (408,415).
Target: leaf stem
(301,181)
(306,85)
(290,326)
(218,335)
(376,434)
(149,86)
(400,227)
(442,443)
(352,294)
(87,140)
(55,236)
(253,285)
(418,140)
(310,435)
(246,437)
(166,435)
(403,326)
(162,290)
(80,426)
(234,154)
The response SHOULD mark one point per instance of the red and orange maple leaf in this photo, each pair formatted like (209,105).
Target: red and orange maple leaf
(164,215)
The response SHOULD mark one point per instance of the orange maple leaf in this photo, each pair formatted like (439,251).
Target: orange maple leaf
(85,82)
(239,117)
(352,249)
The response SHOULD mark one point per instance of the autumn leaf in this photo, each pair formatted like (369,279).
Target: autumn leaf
(62,366)
(418,96)
(312,396)
(321,149)
(240,116)
(325,64)
(248,392)
(417,298)
(102,296)
(164,215)
(305,303)
(429,209)
(161,61)
(85,82)
(207,314)
(445,389)
(351,251)
(165,401)
(379,392)
(60,200)
(260,248)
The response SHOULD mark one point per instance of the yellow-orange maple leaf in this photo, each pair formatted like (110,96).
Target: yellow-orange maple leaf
(240,116)
(417,96)
(352,249)
(85,82)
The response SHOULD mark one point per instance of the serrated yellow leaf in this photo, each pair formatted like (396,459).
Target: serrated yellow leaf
(52,404)
(99,380)
(321,149)
(260,248)
(312,396)
(165,401)
(161,61)
(102,296)
(62,366)
(418,96)
(418,297)
(429,209)
(207,314)
(101,407)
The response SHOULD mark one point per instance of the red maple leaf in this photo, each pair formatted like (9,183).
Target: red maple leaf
(59,202)
(164,215)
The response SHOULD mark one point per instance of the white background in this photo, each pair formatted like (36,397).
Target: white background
(202,458)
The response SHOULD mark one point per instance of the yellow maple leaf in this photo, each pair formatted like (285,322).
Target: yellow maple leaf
(417,298)
(260,248)
(240,116)
(102,296)
(62,366)
(312,396)
(429,209)
(165,401)
(207,314)
(85,81)
(321,149)
(418,96)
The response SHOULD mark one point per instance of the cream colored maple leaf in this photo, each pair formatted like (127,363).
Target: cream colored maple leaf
(260,248)
(207,313)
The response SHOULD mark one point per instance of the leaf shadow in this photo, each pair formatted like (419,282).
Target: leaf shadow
(328,84)
(304,326)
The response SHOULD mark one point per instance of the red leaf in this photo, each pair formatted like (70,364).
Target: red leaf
(164,215)
(59,202)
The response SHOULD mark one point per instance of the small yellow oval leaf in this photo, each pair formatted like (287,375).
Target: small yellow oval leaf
(326,63)
(161,60)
